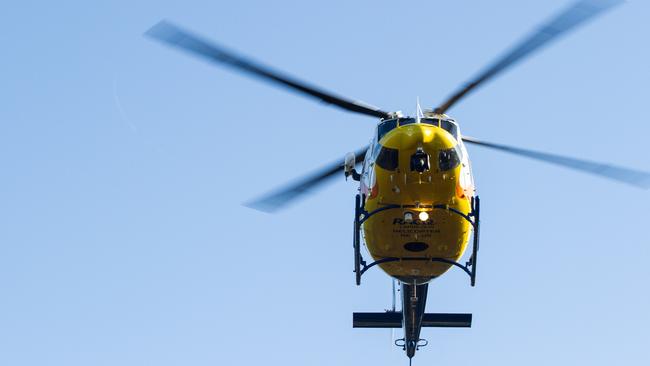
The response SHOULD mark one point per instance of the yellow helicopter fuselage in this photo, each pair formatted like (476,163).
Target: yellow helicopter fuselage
(416,169)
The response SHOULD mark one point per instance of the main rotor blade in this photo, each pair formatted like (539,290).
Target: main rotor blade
(630,176)
(570,18)
(172,35)
(282,197)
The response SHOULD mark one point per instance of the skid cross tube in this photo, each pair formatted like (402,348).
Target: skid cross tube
(361,215)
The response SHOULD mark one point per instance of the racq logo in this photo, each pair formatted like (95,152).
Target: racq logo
(400,221)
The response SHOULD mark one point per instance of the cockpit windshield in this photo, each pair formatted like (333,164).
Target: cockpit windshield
(391,124)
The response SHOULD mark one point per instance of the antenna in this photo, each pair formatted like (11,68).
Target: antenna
(418,110)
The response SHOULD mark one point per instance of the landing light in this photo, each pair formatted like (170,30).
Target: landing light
(423,216)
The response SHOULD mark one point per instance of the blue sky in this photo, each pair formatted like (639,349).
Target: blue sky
(124,165)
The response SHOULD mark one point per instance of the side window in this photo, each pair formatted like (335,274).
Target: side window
(385,127)
(448,158)
(388,158)
(368,158)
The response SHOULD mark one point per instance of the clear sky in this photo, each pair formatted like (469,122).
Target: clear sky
(124,164)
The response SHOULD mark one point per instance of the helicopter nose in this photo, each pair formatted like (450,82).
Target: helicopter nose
(419,143)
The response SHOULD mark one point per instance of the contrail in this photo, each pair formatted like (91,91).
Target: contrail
(120,109)
(132,126)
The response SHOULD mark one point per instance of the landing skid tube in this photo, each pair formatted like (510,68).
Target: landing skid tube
(361,215)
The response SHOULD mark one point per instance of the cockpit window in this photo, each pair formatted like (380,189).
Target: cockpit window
(389,125)
(388,158)
(431,121)
(385,127)
(450,127)
(449,158)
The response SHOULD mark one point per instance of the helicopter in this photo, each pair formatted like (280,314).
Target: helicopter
(417,210)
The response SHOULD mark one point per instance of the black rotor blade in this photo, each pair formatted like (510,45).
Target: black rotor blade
(575,15)
(282,197)
(172,35)
(630,176)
